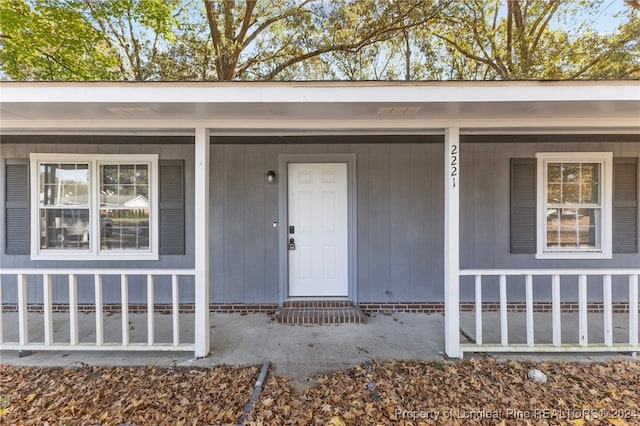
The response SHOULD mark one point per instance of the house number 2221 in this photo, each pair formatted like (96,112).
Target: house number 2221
(454,164)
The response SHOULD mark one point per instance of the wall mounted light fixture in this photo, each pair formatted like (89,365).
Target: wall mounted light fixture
(271,176)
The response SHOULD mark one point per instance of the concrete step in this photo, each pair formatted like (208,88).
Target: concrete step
(319,312)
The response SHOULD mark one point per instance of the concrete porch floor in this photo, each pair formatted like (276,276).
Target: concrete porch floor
(295,351)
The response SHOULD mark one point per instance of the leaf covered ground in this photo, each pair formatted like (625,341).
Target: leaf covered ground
(475,391)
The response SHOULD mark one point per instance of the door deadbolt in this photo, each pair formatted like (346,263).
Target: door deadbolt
(292,244)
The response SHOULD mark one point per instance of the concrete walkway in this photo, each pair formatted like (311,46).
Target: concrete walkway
(296,351)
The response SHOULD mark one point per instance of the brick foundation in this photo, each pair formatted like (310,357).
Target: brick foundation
(161,308)
(438,307)
(366,307)
(319,312)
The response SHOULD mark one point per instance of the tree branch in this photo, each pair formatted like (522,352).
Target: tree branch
(246,21)
(509,31)
(371,38)
(628,72)
(215,35)
(266,24)
(53,59)
(599,58)
(103,28)
(553,8)
(471,55)
(136,48)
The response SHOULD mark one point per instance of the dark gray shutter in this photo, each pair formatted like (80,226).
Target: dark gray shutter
(17,229)
(523,205)
(625,205)
(171,206)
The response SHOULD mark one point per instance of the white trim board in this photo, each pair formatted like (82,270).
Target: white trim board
(305,126)
(94,253)
(283,161)
(606,202)
(321,92)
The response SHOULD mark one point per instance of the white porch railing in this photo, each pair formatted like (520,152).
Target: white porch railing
(582,343)
(74,343)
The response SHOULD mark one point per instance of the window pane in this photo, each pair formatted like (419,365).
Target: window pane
(570,183)
(590,183)
(64,184)
(125,194)
(573,205)
(132,190)
(124,229)
(570,172)
(568,228)
(554,174)
(109,175)
(142,192)
(553,229)
(588,225)
(64,228)
(124,207)
(554,193)
(570,193)
(142,174)
(109,195)
(127,174)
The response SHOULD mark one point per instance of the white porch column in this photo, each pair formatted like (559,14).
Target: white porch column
(202,242)
(452,242)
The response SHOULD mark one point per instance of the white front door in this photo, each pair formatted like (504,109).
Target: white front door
(317,231)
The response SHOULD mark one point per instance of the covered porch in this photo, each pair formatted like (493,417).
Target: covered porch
(211,112)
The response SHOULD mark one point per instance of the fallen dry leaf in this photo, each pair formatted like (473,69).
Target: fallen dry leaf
(121,395)
(469,392)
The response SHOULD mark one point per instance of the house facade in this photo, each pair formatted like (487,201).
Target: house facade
(420,197)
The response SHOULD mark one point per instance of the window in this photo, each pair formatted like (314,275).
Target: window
(94,206)
(574,205)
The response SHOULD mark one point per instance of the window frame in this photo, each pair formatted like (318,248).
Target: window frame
(94,252)
(605,159)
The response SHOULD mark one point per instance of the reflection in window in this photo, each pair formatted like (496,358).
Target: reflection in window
(64,205)
(94,206)
(573,205)
(124,206)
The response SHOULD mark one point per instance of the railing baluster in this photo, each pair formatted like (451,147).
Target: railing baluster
(504,326)
(50,341)
(23,329)
(478,309)
(48,311)
(73,310)
(97,282)
(124,296)
(150,311)
(583,328)
(555,308)
(608,310)
(529,302)
(633,310)
(176,310)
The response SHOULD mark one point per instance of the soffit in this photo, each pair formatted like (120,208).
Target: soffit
(241,107)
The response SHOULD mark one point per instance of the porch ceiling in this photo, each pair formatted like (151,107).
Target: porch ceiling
(328,107)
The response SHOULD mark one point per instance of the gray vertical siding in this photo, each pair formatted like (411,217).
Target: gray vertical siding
(399,215)
(137,286)
(484,218)
(399,218)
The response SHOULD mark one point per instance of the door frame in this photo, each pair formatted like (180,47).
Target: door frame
(283,216)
